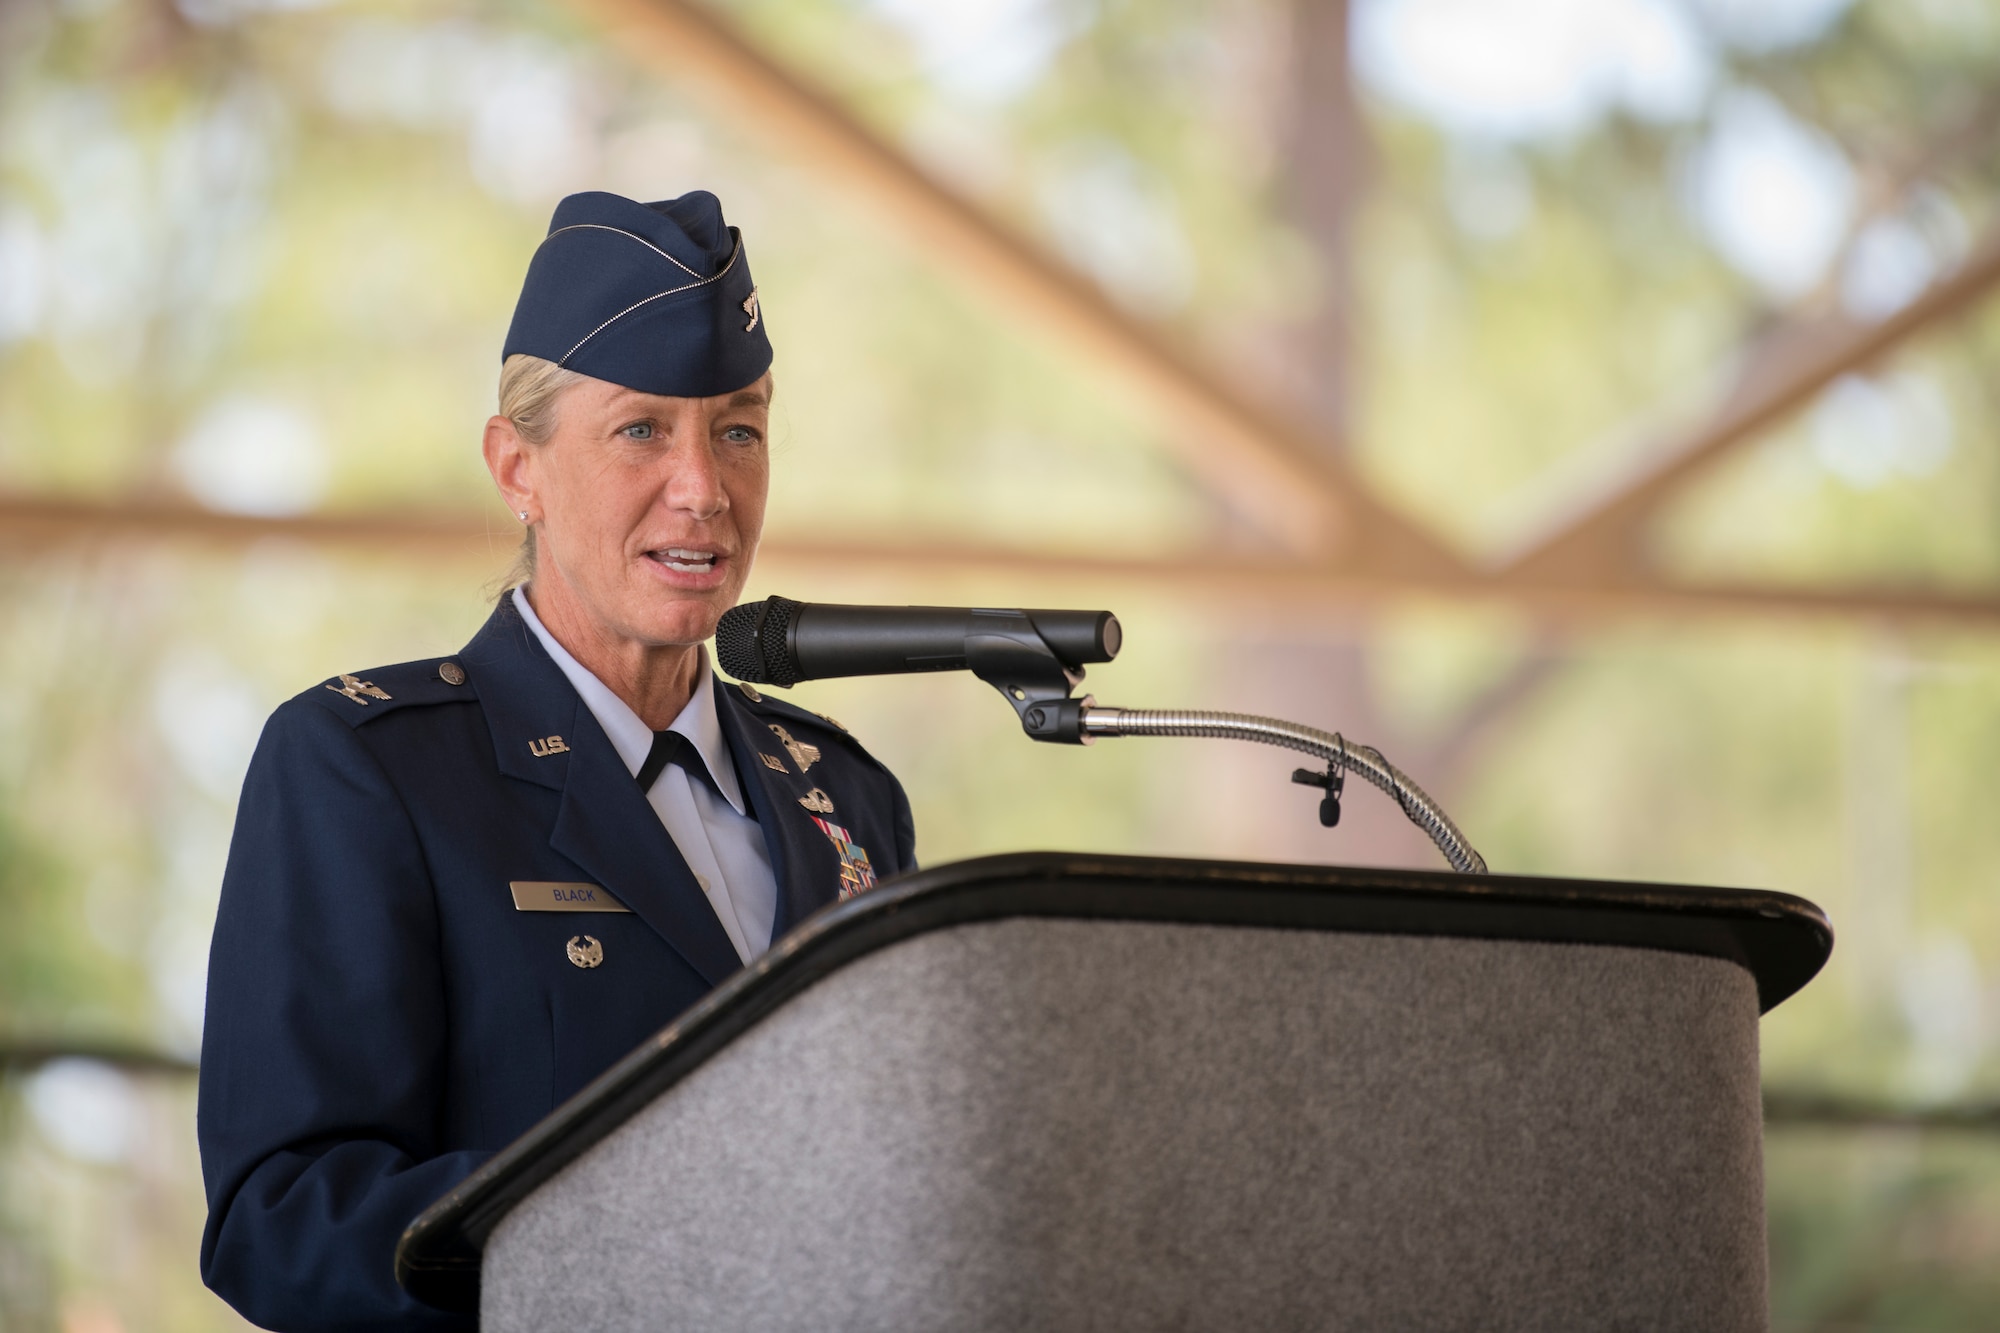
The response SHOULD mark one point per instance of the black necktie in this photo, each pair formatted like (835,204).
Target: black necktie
(670,747)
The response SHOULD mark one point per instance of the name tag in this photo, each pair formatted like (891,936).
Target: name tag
(548,895)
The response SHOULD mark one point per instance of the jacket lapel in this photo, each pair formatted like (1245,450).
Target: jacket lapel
(607,827)
(604,823)
(803,881)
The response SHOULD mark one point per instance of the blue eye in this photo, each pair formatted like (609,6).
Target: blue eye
(740,435)
(638,430)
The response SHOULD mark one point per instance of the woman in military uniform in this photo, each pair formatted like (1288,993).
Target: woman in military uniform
(461,888)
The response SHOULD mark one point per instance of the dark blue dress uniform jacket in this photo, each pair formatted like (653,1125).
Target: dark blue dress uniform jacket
(381,1019)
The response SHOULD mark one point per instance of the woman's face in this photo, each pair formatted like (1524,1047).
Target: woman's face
(648,508)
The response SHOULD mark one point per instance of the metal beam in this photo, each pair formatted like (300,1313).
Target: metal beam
(28,1056)
(34,523)
(31,527)
(1268,588)
(1599,537)
(1243,449)
(1811,1110)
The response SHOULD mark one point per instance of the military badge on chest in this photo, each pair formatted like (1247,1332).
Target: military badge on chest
(805,756)
(856,873)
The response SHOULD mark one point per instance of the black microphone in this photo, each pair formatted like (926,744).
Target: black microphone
(781,642)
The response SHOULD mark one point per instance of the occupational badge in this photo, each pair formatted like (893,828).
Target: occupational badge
(855,872)
(805,756)
(584,951)
(817,801)
(352,688)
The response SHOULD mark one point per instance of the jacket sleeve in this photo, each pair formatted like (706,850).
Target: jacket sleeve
(906,827)
(323,1050)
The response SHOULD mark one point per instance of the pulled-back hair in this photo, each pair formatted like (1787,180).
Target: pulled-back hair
(531,389)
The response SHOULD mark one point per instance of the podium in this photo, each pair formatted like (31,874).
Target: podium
(1096,1092)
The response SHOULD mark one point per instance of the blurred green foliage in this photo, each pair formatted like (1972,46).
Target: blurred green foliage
(1882,1230)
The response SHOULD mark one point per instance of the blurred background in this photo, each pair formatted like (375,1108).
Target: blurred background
(1589,402)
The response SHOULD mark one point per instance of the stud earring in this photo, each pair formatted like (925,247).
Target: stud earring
(524,516)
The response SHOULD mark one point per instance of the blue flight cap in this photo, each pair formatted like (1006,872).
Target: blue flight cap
(656,297)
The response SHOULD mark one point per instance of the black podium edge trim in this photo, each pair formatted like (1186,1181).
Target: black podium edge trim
(1781,940)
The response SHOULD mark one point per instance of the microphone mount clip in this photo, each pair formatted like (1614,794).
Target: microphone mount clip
(1334,781)
(1008,654)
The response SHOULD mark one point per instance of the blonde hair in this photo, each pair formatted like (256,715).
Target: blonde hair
(531,390)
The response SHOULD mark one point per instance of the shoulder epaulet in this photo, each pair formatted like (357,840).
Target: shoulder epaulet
(365,695)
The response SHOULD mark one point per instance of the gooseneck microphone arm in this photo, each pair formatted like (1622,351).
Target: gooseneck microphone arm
(1035,659)
(1363,760)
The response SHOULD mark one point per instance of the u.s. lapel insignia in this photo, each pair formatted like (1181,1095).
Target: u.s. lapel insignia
(351,688)
(542,749)
(805,756)
(750,309)
(855,872)
(584,950)
(772,762)
(817,801)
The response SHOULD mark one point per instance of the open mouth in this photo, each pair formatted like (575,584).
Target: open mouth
(683,559)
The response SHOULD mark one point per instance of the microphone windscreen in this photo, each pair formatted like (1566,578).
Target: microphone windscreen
(750,642)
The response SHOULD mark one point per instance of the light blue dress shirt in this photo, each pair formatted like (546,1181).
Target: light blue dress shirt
(723,845)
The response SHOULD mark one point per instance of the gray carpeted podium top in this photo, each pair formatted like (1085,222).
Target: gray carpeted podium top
(1780,940)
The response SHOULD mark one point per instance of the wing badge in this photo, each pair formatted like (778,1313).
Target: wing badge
(805,756)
